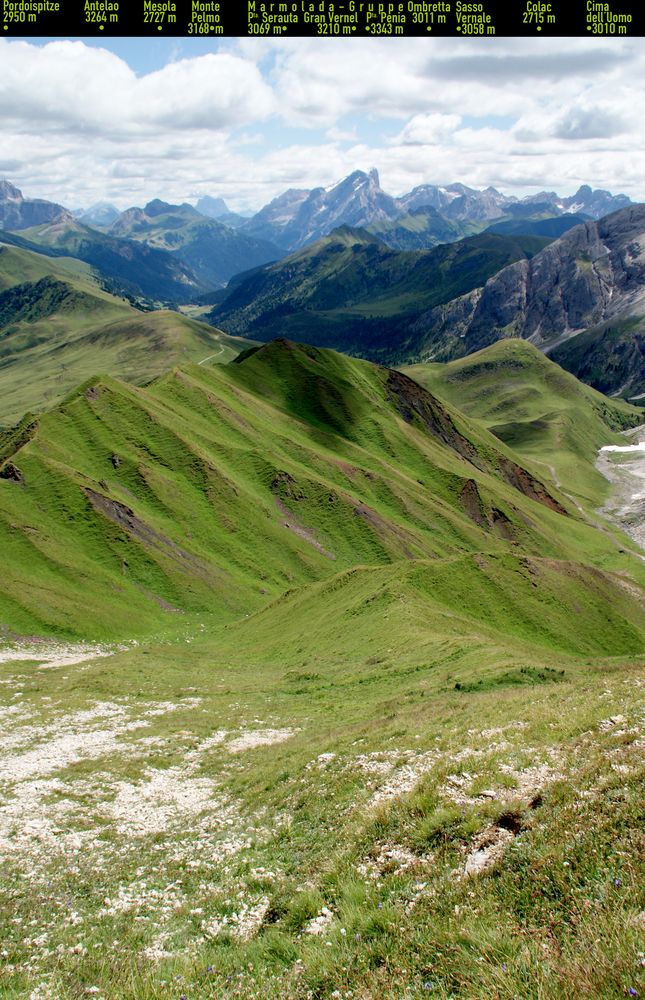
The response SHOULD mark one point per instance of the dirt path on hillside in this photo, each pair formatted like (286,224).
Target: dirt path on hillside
(558,486)
(210,356)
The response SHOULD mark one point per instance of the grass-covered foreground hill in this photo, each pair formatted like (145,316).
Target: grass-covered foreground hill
(311,687)
(215,488)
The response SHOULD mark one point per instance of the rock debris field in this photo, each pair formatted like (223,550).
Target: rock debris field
(132,803)
(624,466)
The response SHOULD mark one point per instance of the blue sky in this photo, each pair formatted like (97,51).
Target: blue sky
(150,54)
(127,120)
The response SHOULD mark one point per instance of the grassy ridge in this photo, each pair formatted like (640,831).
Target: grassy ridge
(475,599)
(315,821)
(215,488)
(541,411)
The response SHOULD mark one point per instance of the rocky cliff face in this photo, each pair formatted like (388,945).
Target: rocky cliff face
(127,222)
(593,273)
(17,212)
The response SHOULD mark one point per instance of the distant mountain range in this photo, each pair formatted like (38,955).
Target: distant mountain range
(104,213)
(298,217)
(101,215)
(433,275)
(213,252)
(216,208)
(215,243)
(457,201)
(161,253)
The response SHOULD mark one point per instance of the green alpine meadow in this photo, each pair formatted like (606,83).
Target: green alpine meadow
(318,679)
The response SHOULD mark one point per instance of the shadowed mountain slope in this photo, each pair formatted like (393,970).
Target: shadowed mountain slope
(127,266)
(351,292)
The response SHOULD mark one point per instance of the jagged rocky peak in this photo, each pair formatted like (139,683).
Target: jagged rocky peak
(158,207)
(359,179)
(214,208)
(8,192)
(101,213)
(595,202)
(18,212)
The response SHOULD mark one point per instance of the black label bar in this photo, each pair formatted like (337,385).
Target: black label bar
(321,18)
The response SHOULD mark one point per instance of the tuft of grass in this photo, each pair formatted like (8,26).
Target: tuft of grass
(525,675)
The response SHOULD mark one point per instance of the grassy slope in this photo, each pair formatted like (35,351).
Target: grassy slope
(18,266)
(541,411)
(428,679)
(61,330)
(420,229)
(487,615)
(241,481)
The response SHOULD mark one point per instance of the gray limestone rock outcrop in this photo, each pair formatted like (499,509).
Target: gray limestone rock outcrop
(594,272)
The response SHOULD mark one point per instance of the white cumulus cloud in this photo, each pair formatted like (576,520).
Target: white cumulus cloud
(255,116)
